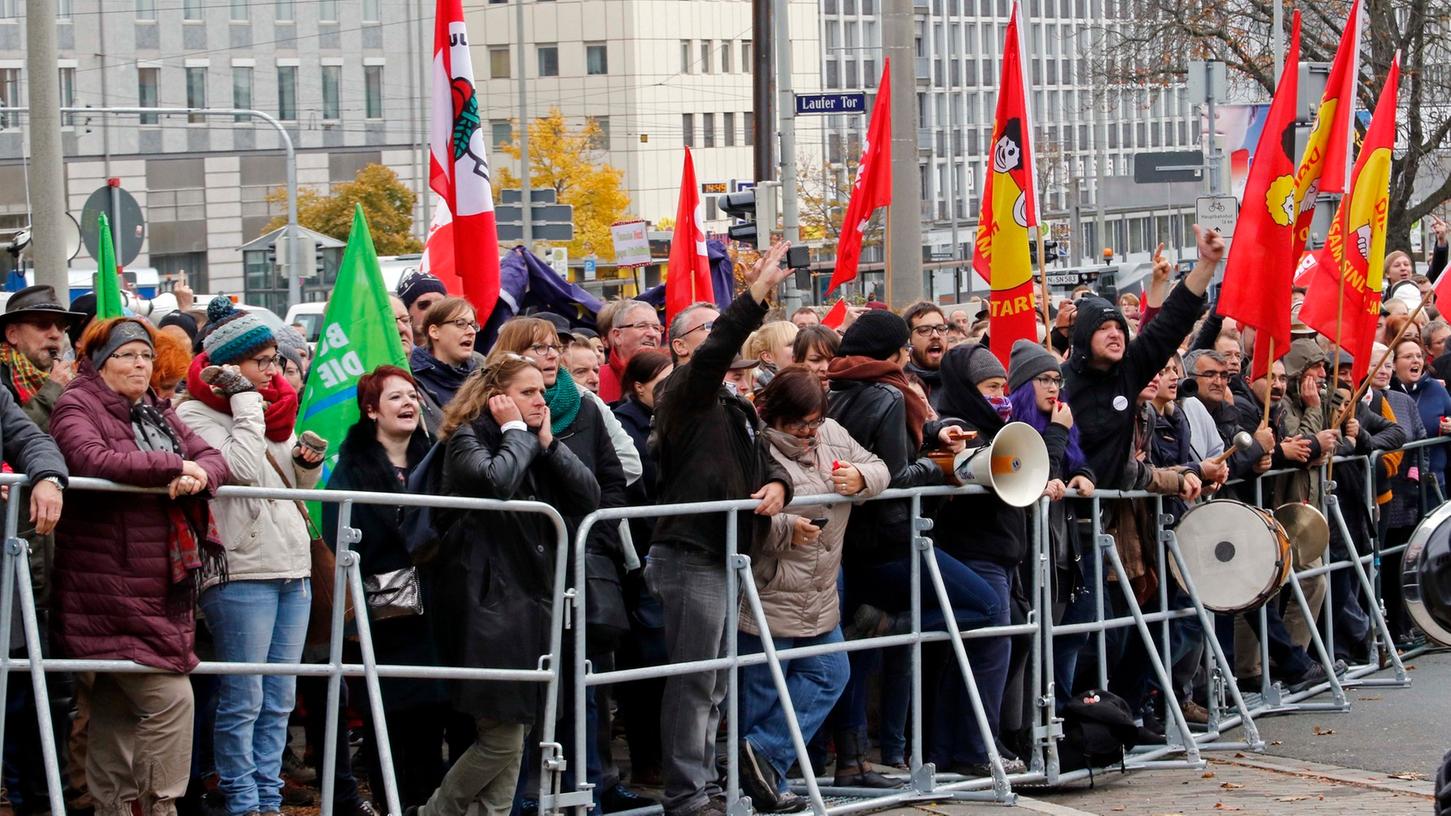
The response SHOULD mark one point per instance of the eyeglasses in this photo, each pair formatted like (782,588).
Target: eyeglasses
(463,324)
(1049,381)
(546,349)
(643,325)
(1214,375)
(133,357)
(707,325)
(801,425)
(268,362)
(928,331)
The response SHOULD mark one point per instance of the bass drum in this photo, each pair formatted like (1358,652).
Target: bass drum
(1238,555)
(1426,576)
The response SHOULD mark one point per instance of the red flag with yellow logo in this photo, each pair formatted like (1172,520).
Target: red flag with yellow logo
(1327,152)
(1009,207)
(873,186)
(1357,241)
(1261,263)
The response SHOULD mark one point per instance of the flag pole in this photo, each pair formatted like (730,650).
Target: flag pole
(887,261)
(1390,349)
(1269,381)
(1043,272)
(1339,338)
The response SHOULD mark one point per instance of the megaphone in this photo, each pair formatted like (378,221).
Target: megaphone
(1014,465)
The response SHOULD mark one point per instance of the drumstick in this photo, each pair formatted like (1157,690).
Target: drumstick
(1240,441)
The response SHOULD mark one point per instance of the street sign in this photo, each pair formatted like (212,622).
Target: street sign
(128,226)
(513,195)
(1217,213)
(540,232)
(855,102)
(632,244)
(538,213)
(590,265)
(1168,166)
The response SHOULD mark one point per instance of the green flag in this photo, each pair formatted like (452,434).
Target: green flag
(108,286)
(358,335)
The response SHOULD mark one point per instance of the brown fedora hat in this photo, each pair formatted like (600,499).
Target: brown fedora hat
(39,300)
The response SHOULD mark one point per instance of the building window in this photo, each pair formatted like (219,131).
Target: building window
(707,130)
(146,9)
(146,93)
(548,60)
(501,132)
(499,63)
(196,93)
(242,88)
(746,56)
(685,56)
(725,57)
(287,93)
(284,11)
(239,11)
(327,11)
(728,128)
(373,91)
(9,96)
(705,56)
(332,80)
(599,132)
(748,130)
(64,9)
(67,95)
(191,10)
(372,12)
(687,129)
(596,59)
(8,10)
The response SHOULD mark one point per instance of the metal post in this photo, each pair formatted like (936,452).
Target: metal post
(350,564)
(762,82)
(1377,613)
(47,173)
(1050,696)
(904,215)
(735,806)
(14,548)
(526,236)
(579,668)
(922,775)
(335,661)
(1211,139)
(790,210)
(1099,587)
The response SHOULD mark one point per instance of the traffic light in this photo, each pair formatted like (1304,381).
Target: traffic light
(1050,251)
(755,213)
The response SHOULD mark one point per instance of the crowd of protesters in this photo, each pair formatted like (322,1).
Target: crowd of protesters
(733,401)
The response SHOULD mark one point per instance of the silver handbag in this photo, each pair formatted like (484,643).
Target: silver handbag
(395,594)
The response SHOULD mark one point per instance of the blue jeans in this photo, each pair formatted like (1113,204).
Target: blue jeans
(957,738)
(255,622)
(814,684)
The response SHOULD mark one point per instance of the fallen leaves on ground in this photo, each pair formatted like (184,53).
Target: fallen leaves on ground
(1223,806)
(1207,775)
(1231,785)
(1292,798)
(1323,732)
(1409,776)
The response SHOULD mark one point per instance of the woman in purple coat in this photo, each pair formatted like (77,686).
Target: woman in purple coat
(126,568)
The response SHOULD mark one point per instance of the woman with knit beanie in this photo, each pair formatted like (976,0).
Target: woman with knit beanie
(258,609)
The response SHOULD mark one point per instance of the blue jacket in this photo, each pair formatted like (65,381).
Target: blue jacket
(1434,402)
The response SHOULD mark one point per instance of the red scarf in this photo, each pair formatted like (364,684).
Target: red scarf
(867,369)
(279,397)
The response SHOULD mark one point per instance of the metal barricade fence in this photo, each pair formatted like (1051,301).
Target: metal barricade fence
(568,612)
(348,587)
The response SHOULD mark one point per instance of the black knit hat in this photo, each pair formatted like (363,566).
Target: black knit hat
(1028,360)
(877,334)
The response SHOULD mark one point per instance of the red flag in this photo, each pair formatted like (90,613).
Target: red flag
(1261,263)
(836,316)
(1360,227)
(873,186)
(463,242)
(1009,207)
(687,278)
(1327,156)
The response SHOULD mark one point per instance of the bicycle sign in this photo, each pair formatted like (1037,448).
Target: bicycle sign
(1217,213)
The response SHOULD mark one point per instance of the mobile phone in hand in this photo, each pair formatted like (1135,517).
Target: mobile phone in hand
(820,523)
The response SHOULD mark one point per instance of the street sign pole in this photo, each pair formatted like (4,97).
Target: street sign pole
(790,211)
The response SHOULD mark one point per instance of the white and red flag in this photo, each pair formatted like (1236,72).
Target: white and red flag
(463,243)
(687,276)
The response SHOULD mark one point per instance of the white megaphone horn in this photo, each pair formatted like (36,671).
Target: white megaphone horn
(1014,465)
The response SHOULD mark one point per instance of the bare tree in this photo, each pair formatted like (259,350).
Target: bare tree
(824,191)
(1146,42)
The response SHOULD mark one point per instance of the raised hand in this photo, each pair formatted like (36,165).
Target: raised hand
(767,273)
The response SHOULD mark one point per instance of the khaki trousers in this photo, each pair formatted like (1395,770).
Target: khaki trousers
(487,772)
(139,742)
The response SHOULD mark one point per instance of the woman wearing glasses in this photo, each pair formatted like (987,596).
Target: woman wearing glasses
(257,609)
(446,357)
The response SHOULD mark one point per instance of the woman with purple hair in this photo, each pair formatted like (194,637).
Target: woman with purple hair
(1035,385)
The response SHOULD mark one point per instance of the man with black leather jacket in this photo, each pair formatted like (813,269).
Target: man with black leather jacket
(707,450)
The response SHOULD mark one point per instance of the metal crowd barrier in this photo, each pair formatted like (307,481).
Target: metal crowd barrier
(1229,707)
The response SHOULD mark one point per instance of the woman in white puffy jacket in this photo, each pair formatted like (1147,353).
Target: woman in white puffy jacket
(258,610)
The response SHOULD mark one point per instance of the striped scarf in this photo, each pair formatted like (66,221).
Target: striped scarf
(27,379)
(1390,461)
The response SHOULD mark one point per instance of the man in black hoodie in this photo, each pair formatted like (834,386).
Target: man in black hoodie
(707,451)
(1106,371)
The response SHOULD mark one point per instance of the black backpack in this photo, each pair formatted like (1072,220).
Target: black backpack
(1098,728)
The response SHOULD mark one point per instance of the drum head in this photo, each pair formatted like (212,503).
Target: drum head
(1426,576)
(1233,553)
(1308,531)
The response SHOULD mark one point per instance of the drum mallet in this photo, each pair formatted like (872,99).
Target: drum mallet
(1241,441)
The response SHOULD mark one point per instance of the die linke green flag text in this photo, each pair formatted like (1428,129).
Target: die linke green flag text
(358,335)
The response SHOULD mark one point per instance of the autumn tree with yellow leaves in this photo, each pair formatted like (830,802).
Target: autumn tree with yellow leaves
(387,204)
(563,158)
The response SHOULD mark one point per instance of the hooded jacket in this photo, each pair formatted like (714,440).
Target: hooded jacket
(1103,399)
(978,527)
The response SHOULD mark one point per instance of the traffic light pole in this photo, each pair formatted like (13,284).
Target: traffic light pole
(790,211)
(47,173)
(761,83)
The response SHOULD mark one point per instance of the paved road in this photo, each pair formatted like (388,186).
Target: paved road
(1375,760)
